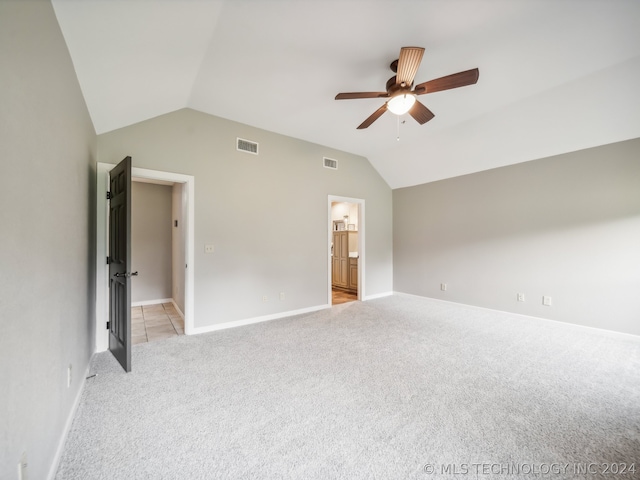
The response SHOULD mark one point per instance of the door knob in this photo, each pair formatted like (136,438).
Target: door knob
(134,274)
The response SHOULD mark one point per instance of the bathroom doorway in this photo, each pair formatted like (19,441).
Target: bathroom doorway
(346,245)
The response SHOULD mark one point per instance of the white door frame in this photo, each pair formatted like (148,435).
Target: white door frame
(102,272)
(361,243)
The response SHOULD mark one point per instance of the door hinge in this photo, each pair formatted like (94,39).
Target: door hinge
(108,325)
(109,196)
(108,260)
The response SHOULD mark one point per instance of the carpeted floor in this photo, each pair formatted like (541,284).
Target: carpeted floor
(393,388)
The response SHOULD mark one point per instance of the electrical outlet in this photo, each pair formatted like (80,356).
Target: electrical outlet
(69,376)
(265,298)
(208,249)
(521,297)
(281,295)
(546,301)
(443,287)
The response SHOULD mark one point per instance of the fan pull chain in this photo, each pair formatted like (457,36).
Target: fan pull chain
(399,122)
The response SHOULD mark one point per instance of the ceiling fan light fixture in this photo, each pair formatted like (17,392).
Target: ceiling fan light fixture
(401,104)
(401,93)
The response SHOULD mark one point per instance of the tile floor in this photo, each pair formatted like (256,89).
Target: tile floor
(339,296)
(155,322)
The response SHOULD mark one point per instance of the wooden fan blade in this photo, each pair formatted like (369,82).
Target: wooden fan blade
(374,116)
(408,63)
(348,96)
(421,113)
(461,79)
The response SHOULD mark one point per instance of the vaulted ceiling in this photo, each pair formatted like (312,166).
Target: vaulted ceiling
(555,75)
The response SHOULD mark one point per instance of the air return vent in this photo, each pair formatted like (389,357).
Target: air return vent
(248,146)
(330,163)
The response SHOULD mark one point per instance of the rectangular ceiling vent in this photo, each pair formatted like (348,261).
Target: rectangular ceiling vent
(330,163)
(248,146)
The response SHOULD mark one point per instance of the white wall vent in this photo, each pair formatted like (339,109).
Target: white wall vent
(330,163)
(248,146)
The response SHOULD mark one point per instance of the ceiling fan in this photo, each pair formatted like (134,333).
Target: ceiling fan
(402,98)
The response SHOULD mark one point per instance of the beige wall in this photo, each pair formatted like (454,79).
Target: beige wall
(151,238)
(47,262)
(566,226)
(266,215)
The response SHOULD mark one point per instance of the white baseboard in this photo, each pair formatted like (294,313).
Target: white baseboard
(53,470)
(377,295)
(612,333)
(152,302)
(249,321)
(175,305)
(158,302)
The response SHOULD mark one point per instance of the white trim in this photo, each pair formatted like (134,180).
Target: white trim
(526,317)
(102,287)
(53,469)
(378,295)
(102,271)
(159,302)
(152,302)
(175,305)
(361,244)
(264,318)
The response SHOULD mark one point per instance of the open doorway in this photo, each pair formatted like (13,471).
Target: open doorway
(346,249)
(183,195)
(158,256)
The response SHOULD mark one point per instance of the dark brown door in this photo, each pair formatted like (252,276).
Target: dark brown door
(120,263)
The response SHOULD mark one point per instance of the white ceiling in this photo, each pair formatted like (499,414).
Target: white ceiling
(555,75)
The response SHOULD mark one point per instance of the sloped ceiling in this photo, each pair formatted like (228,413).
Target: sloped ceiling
(555,75)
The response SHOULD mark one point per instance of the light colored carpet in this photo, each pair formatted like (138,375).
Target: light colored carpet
(365,390)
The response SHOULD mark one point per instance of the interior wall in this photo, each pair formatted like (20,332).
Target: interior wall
(151,238)
(566,226)
(178,245)
(265,214)
(47,200)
